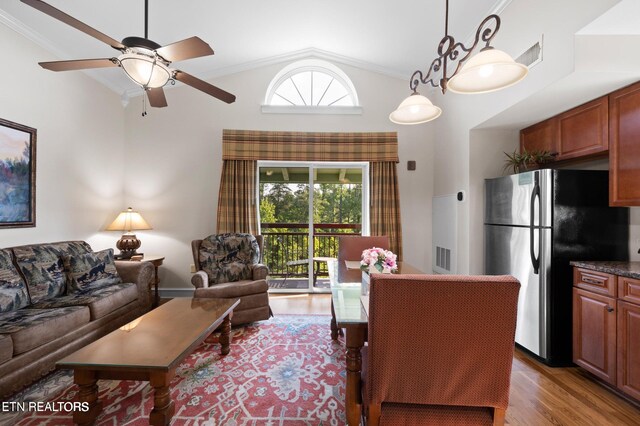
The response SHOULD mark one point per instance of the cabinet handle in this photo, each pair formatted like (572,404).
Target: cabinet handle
(610,309)
(592,281)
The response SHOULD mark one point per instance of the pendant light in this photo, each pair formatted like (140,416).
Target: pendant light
(490,70)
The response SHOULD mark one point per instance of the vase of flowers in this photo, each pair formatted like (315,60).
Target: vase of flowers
(377,259)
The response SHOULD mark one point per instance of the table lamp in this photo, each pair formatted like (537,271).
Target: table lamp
(126,222)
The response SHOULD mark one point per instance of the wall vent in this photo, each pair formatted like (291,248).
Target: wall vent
(532,56)
(444,225)
(443,258)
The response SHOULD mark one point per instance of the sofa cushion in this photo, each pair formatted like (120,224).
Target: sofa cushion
(6,348)
(101,301)
(227,257)
(30,328)
(43,268)
(234,289)
(13,290)
(91,270)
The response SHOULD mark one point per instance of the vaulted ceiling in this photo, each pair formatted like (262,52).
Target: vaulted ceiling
(392,37)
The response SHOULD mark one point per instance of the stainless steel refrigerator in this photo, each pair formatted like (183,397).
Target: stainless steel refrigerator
(535,224)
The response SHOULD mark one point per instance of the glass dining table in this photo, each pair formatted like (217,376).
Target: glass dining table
(349,311)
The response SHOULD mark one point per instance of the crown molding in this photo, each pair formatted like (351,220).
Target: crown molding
(311,52)
(289,57)
(32,35)
(498,7)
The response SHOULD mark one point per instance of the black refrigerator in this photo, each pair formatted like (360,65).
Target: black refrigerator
(535,223)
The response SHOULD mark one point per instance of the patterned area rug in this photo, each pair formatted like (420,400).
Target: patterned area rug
(286,371)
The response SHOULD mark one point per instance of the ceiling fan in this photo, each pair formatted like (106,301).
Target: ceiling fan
(144,61)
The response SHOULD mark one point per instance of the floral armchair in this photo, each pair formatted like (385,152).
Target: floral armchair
(228,267)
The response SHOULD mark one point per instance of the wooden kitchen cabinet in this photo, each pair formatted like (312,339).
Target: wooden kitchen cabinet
(629,349)
(624,148)
(580,132)
(542,136)
(629,336)
(594,334)
(606,327)
(584,131)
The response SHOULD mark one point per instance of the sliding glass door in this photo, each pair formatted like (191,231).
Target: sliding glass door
(304,207)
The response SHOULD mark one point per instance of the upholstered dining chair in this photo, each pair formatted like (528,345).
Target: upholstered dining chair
(440,349)
(228,267)
(350,248)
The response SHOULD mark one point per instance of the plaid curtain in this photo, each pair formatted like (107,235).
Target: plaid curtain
(304,146)
(237,210)
(385,204)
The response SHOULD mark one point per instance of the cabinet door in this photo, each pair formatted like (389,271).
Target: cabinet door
(584,131)
(594,334)
(624,149)
(629,349)
(542,136)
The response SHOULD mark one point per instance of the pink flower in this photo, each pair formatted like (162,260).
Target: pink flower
(378,257)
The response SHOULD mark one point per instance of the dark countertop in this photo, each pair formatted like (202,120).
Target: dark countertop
(625,269)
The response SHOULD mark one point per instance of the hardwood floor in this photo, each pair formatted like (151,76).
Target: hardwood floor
(540,395)
(300,304)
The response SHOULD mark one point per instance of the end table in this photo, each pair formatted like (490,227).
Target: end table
(156,261)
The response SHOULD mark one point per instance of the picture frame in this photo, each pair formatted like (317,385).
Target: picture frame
(17,175)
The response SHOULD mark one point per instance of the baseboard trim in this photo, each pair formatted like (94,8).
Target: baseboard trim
(170,293)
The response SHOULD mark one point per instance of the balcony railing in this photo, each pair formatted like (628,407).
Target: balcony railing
(289,242)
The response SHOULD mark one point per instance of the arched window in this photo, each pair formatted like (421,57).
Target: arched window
(311,86)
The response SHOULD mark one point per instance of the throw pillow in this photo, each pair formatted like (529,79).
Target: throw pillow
(13,290)
(43,269)
(91,270)
(228,257)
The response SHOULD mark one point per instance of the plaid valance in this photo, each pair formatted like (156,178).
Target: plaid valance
(305,146)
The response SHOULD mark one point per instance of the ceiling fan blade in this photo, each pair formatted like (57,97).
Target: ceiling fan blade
(193,47)
(156,97)
(70,20)
(79,64)
(210,89)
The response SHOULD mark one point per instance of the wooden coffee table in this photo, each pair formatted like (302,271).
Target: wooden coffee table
(148,349)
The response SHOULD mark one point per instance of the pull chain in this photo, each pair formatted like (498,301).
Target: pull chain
(144,104)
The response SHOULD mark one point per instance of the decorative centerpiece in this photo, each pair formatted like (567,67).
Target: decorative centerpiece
(377,259)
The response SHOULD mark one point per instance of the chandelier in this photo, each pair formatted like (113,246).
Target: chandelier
(489,70)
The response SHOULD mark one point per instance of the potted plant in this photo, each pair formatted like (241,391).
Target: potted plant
(519,162)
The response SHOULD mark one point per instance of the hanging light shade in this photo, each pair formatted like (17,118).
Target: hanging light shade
(415,109)
(488,71)
(146,71)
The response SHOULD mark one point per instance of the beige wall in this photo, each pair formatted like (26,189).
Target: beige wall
(462,164)
(96,158)
(80,160)
(174,159)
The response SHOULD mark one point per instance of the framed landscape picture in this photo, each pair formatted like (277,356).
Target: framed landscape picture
(17,175)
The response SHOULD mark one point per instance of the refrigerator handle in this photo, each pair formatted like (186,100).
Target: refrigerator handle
(535,260)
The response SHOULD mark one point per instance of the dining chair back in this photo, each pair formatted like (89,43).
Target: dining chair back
(351,248)
(440,349)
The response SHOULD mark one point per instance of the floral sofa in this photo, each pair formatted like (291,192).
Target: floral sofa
(58,297)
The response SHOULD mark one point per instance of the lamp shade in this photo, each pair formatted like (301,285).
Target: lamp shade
(488,71)
(415,109)
(128,221)
(144,70)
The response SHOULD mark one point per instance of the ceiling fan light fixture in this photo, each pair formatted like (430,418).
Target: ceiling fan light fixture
(488,71)
(415,109)
(146,71)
